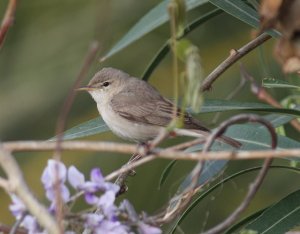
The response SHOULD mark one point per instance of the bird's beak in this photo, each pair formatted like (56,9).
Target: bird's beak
(86,88)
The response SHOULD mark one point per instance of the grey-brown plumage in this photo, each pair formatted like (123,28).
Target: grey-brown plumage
(135,110)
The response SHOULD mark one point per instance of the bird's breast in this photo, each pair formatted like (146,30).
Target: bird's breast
(125,128)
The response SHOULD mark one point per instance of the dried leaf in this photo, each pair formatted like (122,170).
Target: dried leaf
(284,16)
(269,12)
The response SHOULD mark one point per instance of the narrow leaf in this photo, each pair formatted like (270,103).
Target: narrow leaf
(204,194)
(241,11)
(274,83)
(89,128)
(97,125)
(165,173)
(280,217)
(152,20)
(164,50)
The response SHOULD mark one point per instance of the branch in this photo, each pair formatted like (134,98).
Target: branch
(233,57)
(66,107)
(178,203)
(18,186)
(8,20)
(5,229)
(18,146)
(262,94)
(253,188)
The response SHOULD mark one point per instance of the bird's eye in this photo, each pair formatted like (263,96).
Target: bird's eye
(105,84)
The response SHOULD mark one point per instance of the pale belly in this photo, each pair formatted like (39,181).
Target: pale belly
(127,129)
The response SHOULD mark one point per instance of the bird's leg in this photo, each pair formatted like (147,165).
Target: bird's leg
(121,180)
(147,147)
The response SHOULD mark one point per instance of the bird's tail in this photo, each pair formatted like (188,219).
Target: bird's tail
(205,134)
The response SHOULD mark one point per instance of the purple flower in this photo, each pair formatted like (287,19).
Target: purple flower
(112,227)
(98,224)
(148,229)
(75,177)
(31,225)
(93,220)
(97,183)
(126,207)
(54,171)
(106,204)
(17,207)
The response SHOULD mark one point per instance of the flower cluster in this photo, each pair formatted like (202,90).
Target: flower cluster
(98,193)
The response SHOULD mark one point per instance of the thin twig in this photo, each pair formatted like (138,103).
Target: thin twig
(22,146)
(233,57)
(17,224)
(253,188)
(181,201)
(129,167)
(89,58)
(172,7)
(8,20)
(262,94)
(5,229)
(148,158)
(18,186)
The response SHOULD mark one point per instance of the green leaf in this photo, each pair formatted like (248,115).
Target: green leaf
(274,83)
(211,169)
(241,11)
(164,50)
(221,183)
(165,173)
(277,120)
(258,138)
(252,137)
(279,218)
(245,221)
(85,129)
(221,105)
(97,125)
(152,20)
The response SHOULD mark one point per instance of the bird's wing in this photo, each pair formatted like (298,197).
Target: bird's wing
(143,106)
(146,105)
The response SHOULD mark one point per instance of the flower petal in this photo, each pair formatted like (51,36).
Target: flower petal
(54,169)
(75,177)
(96,176)
(91,199)
(17,207)
(147,229)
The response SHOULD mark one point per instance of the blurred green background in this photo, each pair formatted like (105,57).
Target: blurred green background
(42,56)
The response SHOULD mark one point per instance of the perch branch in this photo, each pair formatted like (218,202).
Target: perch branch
(66,107)
(18,186)
(233,57)
(21,146)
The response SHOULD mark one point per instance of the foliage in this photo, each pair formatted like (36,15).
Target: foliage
(99,194)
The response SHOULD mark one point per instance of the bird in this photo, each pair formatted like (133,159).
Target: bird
(135,110)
